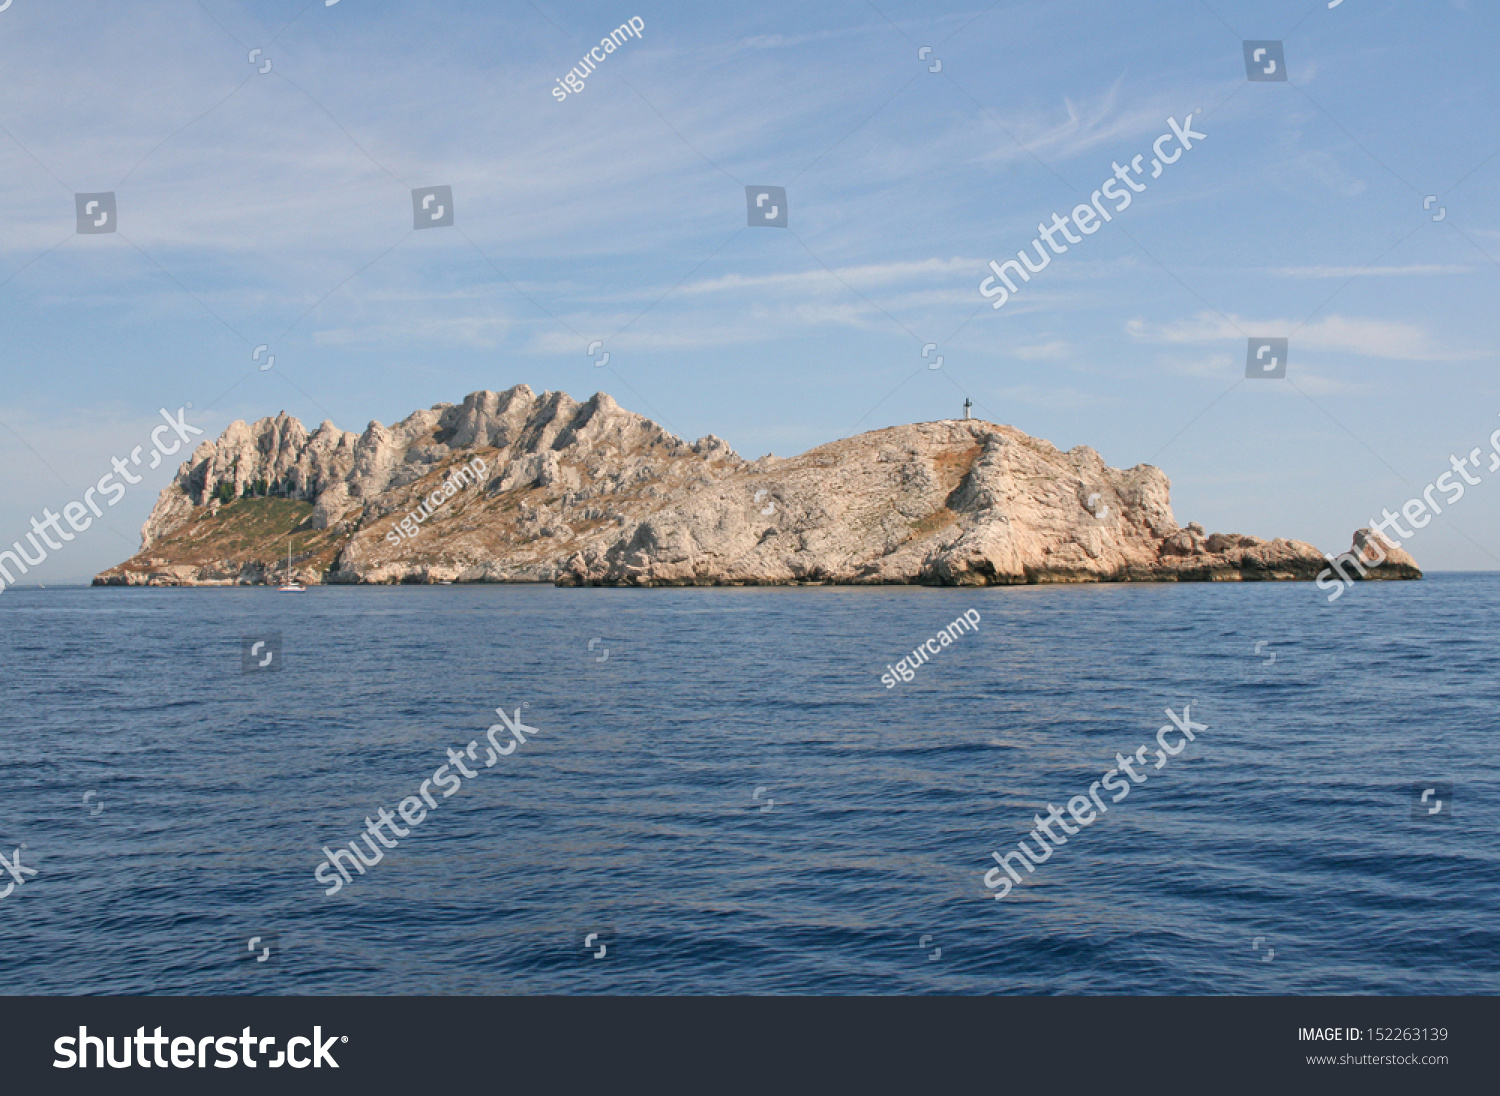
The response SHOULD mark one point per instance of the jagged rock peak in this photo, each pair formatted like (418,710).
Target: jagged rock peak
(336,469)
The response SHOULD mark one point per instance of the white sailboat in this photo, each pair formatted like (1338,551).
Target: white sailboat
(292,585)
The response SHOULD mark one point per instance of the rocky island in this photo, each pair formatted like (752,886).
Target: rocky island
(518,487)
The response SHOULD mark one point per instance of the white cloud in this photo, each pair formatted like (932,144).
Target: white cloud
(1061,398)
(870,274)
(1368,338)
(1210,365)
(1094,123)
(1323,167)
(479,332)
(1056,350)
(1414,270)
(1226,367)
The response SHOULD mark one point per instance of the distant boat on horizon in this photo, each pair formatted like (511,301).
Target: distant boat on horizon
(292,585)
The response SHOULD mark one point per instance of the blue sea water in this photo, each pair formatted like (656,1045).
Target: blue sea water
(724,792)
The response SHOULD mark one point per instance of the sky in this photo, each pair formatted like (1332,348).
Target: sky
(1342,209)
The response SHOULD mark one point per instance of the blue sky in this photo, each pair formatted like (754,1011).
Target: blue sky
(275,209)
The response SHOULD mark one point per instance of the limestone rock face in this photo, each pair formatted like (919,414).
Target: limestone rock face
(946,503)
(590,494)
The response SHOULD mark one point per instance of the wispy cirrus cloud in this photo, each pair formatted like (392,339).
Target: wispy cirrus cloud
(1413,270)
(1076,127)
(1355,335)
(1228,367)
(1054,350)
(868,274)
(1065,398)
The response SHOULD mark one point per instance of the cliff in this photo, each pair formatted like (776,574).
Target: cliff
(513,486)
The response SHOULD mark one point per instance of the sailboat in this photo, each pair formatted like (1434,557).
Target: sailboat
(292,585)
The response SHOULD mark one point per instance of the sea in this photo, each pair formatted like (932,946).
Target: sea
(718,794)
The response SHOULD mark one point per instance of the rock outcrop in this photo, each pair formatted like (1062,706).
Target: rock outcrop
(1373,557)
(589,494)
